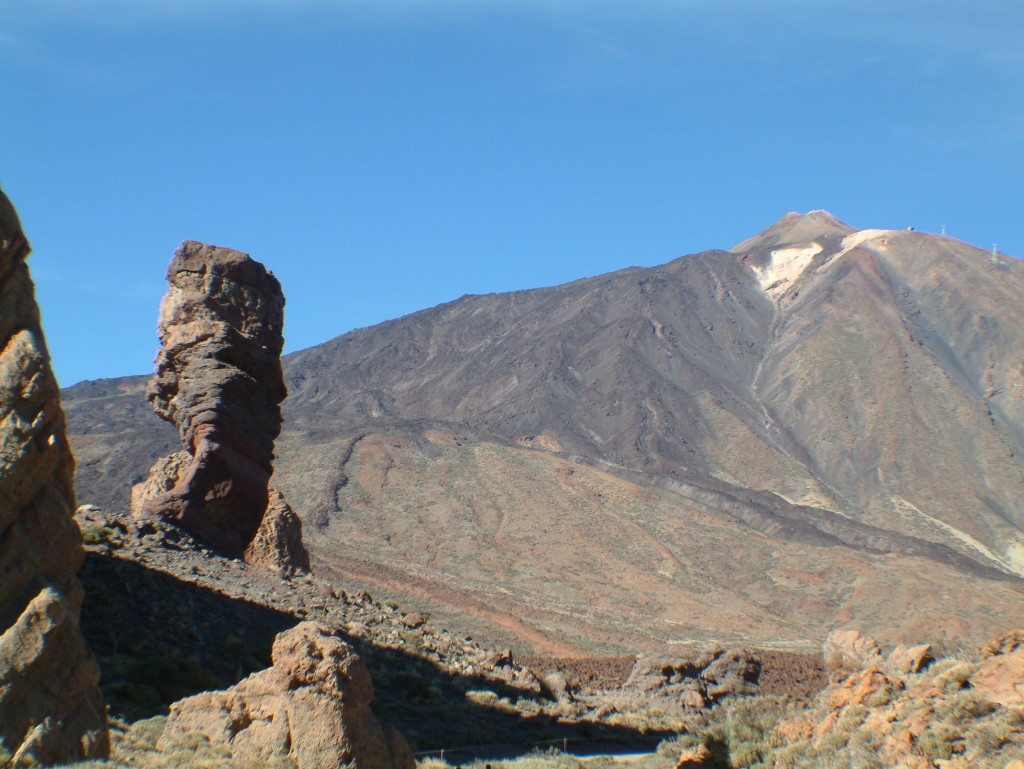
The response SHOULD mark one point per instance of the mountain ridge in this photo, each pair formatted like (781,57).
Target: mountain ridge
(815,387)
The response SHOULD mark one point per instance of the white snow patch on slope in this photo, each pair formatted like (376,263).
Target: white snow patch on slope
(862,236)
(784,266)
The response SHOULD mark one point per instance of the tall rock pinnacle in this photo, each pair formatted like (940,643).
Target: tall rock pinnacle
(51,710)
(218,380)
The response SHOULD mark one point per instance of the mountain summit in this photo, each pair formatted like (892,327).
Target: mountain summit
(818,427)
(794,229)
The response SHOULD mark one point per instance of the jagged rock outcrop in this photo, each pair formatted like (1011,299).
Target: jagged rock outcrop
(850,651)
(1000,677)
(847,651)
(278,542)
(218,380)
(956,714)
(700,680)
(312,705)
(51,709)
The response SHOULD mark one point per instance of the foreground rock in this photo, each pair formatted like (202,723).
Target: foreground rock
(1000,677)
(954,714)
(313,706)
(218,380)
(51,709)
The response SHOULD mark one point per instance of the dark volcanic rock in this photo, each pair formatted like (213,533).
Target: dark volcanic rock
(218,379)
(51,709)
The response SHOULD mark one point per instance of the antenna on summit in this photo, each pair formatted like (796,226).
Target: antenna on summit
(995,256)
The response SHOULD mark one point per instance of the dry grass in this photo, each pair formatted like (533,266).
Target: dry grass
(938,717)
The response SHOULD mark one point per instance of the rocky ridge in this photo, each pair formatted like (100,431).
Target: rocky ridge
(51,709)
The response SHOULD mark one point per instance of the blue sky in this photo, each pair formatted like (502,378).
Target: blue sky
(382,157)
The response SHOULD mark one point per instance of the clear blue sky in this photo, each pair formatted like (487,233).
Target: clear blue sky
(384,156)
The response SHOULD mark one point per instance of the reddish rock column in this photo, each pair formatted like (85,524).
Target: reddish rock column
(218,379)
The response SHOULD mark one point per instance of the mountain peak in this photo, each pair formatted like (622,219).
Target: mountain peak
(795,228)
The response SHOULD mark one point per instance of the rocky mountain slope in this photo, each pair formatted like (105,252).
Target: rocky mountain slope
(816,428)
(170,619)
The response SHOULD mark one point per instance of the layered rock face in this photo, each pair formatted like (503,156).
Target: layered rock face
(312,705)
(218,380)
(51,709)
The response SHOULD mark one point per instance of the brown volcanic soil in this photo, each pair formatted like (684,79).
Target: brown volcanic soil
(451,524)
(587,672)
(792,674)
(168,618)
(736,446)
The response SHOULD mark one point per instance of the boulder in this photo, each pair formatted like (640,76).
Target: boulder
(312,706)
(278,542)
(699,680)
(734,673)
(414,620)
(697,757)
(51,710)
(555,685)
(1000,677)
(1003,644)
(163,476)
(847,651)
(908,659)
(499,659)
(218,380)
(862,688)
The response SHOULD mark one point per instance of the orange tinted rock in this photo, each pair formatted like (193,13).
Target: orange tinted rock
(698,757)
(1000,678)
(312,706)
(51,709)
(908,659)
(1003,644)
(278,541)
(858,688)
(414,620)
(848,650)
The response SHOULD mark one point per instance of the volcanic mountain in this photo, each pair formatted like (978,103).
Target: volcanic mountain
(819,427)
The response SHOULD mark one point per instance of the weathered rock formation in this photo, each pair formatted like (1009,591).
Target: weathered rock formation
(218,380)
(312,705)
(278,543)
(51,709)
(700,680)
(957,714)
(1000,677)
(849,651)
